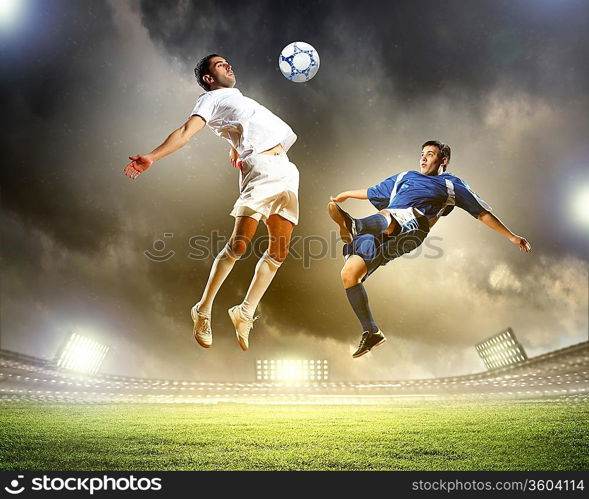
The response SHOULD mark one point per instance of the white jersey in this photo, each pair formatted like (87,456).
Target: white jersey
(248,126)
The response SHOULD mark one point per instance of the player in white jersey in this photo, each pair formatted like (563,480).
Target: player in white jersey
(269,185)
(410,203)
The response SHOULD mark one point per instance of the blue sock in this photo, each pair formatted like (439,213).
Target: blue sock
(359,301)
(374,224)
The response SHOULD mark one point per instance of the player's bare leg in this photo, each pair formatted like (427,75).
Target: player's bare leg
(353,271)
(352,274)
(243,232)
(393,224)
(242,316)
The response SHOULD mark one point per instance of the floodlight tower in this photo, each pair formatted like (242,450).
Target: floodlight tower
(501,350)
(82,354)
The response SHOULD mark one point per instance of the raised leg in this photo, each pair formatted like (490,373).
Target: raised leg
(279,232)
(242,316)
(352,273)
(243,232)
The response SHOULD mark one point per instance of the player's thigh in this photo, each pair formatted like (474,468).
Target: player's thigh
(243,232)
(393,225)
(354,270)
(280,232)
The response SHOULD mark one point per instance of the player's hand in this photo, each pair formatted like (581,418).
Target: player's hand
(523,244)
(139,163)
(233,158)
(340,198)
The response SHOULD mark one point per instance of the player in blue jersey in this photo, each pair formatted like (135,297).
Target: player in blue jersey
(410,203)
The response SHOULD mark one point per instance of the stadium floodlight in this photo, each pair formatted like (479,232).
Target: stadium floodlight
(579,203)
(501,350)
(292,370)
(10,13)
(82,354)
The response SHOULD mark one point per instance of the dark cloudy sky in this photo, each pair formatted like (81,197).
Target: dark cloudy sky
(86,83)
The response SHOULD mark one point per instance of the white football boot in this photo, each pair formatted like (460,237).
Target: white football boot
(243,325)
(202,327)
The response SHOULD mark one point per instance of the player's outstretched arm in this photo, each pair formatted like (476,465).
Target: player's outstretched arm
(357,194)
(177,139)
(494,223)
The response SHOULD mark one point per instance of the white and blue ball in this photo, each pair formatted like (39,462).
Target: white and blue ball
(298,62)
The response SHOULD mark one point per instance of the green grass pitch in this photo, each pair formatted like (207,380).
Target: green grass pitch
(431,435)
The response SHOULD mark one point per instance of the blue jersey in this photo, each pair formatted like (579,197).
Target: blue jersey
(432,195)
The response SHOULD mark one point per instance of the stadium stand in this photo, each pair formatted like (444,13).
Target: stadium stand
(559,375)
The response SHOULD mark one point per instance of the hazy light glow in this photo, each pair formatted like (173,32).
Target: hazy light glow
(10,12)
(82,355)
(580,205)
(292,370)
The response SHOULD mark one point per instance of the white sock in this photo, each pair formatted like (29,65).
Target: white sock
(220,269)
(265,271)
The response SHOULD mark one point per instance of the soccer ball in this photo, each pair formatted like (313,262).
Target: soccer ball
(298,62)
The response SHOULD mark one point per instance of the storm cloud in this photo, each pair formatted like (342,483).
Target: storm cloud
(86,84)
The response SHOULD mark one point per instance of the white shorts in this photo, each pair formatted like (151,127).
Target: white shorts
(268,185)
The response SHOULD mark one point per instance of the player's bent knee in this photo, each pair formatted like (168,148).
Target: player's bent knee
(350,277)
(238,246)
(344,276)
(386,214)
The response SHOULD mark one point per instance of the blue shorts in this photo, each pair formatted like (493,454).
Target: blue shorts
(380,250)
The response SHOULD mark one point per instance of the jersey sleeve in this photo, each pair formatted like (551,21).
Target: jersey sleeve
(380,194)
(469,200)
(205,107)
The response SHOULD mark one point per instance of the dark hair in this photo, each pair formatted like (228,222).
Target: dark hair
(445,150)
(202,68)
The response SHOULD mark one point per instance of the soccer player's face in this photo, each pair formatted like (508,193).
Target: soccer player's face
(431,160)
(222,73)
